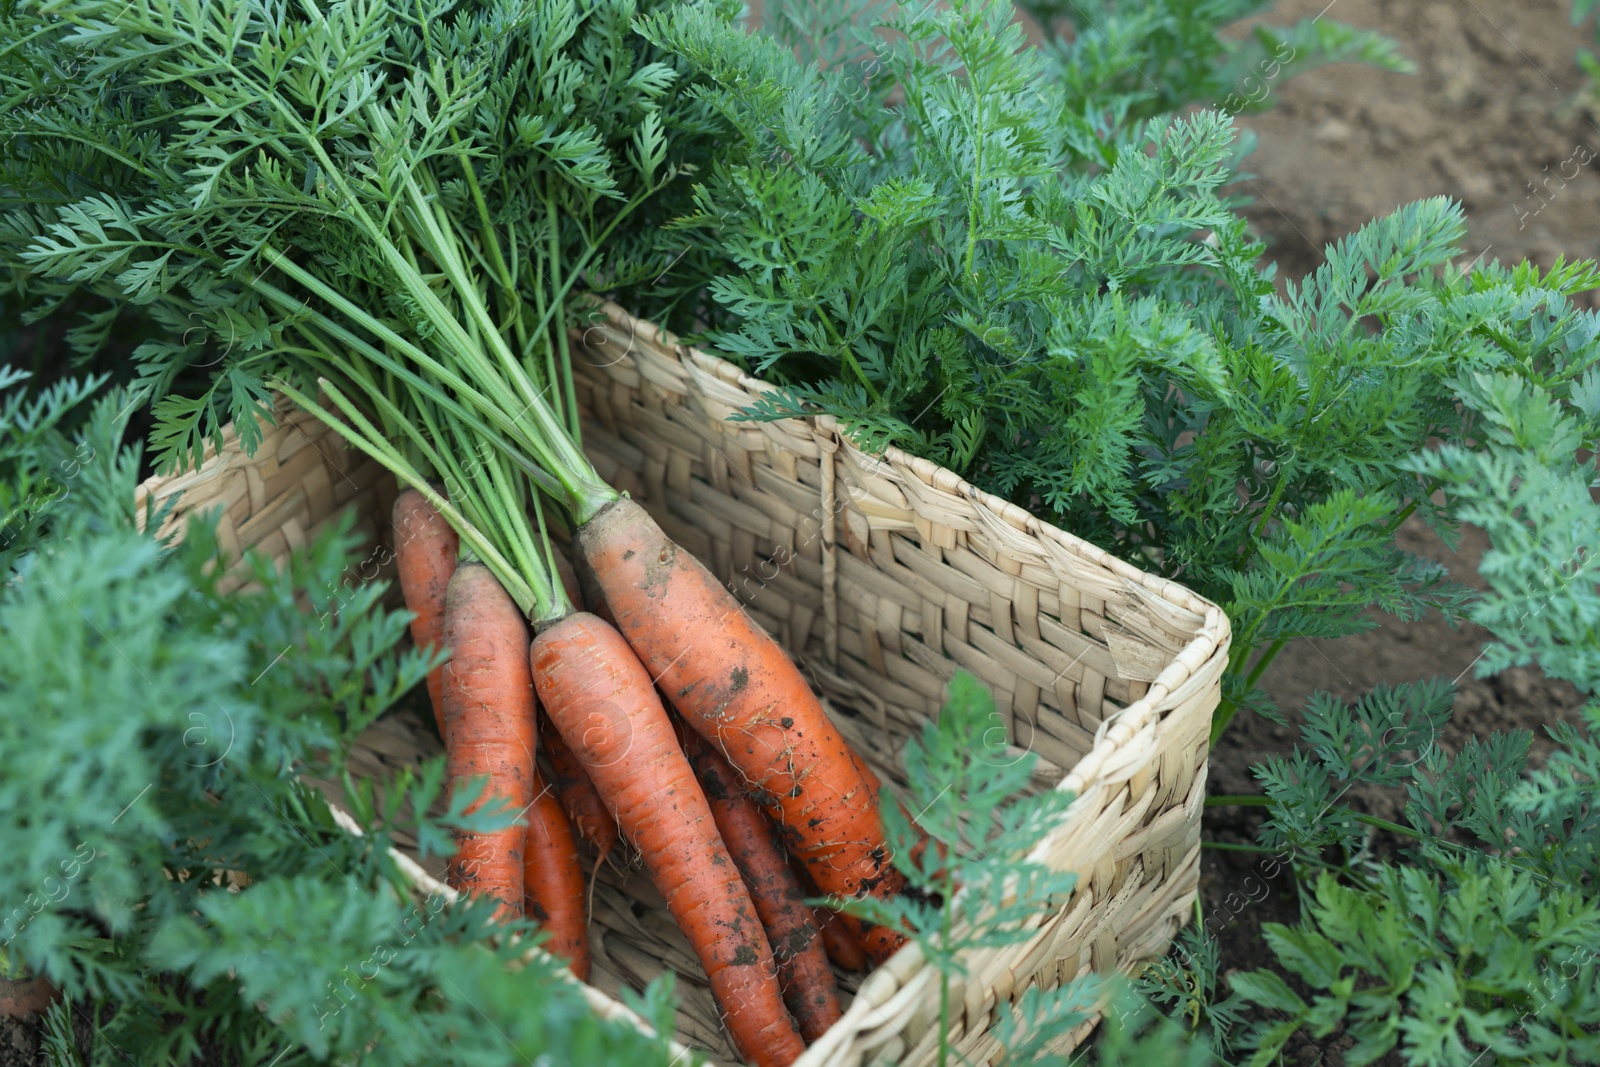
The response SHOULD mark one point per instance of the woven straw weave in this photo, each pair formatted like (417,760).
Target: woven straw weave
(299,480)
(1109,674)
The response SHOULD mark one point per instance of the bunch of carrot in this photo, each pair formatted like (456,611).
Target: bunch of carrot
(704,795)
(484,403)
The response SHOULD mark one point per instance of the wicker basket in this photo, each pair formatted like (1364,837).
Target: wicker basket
(1109,674)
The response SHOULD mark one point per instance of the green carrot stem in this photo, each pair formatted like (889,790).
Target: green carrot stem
(1221,718)
(585,492)
(1265,661)
(1229,846)
(475,405)
(309,326)
(1247,801)
(569,395)
(365,437)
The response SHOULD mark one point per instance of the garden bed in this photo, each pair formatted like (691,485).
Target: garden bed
(1485,114)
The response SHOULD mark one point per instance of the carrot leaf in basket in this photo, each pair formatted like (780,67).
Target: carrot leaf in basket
(973,881)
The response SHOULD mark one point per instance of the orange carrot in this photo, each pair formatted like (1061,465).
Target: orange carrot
(490,729)
(554,880)
(733,683)
(578,797)
(598,695)
(585,810)
(808,985)
(875,786)
(837,942)
(425,551)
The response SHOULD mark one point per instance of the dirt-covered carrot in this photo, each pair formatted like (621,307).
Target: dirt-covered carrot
(585,810)
(875,785)
(808,985)
(733,683)
(843,950)
(425,551)
(490,729)
(599,696)
(553,880)
(838,942)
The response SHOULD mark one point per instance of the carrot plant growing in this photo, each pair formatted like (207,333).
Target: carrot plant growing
(1155,57)
(1470,939)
